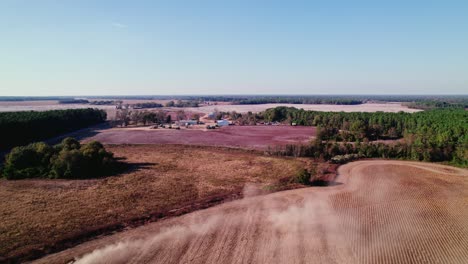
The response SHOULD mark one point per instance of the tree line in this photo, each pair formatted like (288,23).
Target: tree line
(73,101)
(300,100)
(147,105)
(125,117)
(434,104)
(434,135)
(180,103)
(243,119)
(105,102)
(21,128)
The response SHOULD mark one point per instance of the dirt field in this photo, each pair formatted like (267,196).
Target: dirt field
(368,107)
(45,105)
(380,212)
(41,215)
(258,137)
(52,105)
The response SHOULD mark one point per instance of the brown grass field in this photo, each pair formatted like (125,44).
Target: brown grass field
(381,212)
(40,216)
(255,137)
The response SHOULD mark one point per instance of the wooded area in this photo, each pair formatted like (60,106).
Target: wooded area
(300,100)
(434,135)
(69,160)
(21,128)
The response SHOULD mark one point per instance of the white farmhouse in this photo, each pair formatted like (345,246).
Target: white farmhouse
(222,123)
(187,122)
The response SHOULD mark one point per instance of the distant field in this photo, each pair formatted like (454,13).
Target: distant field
(165,181)
(13,106)
(257,137)
(380,212)
(368,107)
(6,106)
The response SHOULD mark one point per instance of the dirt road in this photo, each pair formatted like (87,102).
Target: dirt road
(378,212)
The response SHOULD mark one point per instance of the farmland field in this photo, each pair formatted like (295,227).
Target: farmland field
(6,106)
(37,214)
(53,105)
(258,137)
(367,107)
(378,212)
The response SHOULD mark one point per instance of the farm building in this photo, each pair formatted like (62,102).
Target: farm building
(187,122)
(222,123)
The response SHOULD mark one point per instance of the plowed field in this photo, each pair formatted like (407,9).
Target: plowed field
(255,137)
(379,212)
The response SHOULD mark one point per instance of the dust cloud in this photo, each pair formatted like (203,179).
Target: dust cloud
(131,251)
(290,226)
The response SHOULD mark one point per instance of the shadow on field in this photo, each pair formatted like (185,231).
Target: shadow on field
(81,134)
(321,183)
(123,167)
(131,167)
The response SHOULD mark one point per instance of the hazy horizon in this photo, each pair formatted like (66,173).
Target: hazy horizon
(91,48)
(234,95)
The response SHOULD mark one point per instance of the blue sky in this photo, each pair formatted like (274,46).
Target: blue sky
(67,47)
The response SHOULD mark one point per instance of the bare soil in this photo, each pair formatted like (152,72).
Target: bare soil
(255,137)
(42,216)
(377,212)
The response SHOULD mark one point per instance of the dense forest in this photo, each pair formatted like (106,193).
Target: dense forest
(180,103)
(147,105)
(434,135)
(69,160)
(105,102)
(434,104)
(73,101)
(21,128)
(299,100)
(125,117)
(34,98)
(418,102)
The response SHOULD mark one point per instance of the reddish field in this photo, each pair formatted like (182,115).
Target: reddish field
(258,137)
(382,212)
